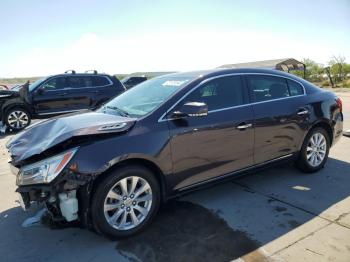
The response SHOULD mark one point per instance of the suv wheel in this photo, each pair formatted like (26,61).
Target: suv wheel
(125,202)
(17,118)
(314,152)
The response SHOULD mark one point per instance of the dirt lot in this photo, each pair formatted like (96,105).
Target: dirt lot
(279,214)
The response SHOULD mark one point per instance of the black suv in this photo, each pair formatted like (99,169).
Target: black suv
(55,95)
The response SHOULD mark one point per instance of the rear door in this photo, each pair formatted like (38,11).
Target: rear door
(280,116)
(103,90)
(207,147)
(81,92)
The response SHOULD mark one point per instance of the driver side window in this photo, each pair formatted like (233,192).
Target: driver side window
(223,92)
(55,84)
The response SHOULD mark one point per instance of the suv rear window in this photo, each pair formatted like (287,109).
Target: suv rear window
(100,81)
(87,81)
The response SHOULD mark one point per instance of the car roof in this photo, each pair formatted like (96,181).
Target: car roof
(224,71)
(80,74)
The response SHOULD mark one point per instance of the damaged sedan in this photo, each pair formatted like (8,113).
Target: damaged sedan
(110,169)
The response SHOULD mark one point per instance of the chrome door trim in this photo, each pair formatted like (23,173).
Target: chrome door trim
(304,112)
(244,126)
(60,112)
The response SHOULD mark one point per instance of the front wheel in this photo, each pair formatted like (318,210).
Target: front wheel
(314,152)
(17,118)
(125,202)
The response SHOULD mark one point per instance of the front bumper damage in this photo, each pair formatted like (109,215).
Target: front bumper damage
(66,198)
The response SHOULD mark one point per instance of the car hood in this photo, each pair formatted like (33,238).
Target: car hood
(5,94)
(44,135)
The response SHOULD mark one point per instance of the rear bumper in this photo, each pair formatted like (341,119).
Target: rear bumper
(338,128)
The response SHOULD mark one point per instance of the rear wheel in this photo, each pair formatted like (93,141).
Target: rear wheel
(17,118)
(125,202)
(314,152)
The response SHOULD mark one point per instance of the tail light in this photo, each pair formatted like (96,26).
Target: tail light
(340,104)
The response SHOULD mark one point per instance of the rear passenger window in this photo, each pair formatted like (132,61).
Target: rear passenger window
(100,81)
(75,82)
(266,88)
(295,89)
(219,93)
(87,81)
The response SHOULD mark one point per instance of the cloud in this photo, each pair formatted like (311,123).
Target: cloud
(171,51)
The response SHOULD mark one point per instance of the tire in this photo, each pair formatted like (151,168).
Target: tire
(308,164)
(125,207)
(17,118)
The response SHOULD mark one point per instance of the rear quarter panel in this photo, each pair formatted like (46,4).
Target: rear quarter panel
(324,109)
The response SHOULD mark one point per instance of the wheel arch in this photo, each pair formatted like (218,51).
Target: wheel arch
(8,106)
(325,125)
(146,163)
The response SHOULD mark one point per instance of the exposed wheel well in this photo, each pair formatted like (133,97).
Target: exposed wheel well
(140,162)
(328,128)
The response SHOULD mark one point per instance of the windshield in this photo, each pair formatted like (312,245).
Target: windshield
(36,83)
(146,96)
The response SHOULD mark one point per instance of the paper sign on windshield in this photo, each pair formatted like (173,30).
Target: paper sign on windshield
(174,82)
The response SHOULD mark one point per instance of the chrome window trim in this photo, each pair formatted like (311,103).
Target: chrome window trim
(59,112)
(77,88)
(162,118)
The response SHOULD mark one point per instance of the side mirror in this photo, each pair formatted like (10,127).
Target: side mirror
(40,91)
(191,109)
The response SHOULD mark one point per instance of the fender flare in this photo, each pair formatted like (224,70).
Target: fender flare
(11,104)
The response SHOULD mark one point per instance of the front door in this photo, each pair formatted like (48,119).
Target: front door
(50,96)
(62,94)
(206,147)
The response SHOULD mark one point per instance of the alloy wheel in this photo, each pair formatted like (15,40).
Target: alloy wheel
(18,119)
(128,203)
(316,149)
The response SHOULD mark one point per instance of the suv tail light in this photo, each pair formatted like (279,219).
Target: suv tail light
(340,104)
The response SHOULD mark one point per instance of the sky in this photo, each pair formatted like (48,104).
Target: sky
(40,38)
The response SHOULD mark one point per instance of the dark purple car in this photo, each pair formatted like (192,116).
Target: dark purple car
(111,168)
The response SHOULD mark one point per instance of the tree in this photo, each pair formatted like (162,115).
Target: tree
(346,69)
(328,72)
(313,70)
(337,65)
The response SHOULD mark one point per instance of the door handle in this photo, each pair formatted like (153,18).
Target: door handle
(63,94)
(302,111)
(243,126)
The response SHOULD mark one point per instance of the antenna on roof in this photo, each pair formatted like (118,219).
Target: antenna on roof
(70,71)
(93,71)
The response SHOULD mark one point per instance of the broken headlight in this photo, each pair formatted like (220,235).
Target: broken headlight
(44,171)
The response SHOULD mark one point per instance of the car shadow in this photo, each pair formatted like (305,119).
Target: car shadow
(220,223)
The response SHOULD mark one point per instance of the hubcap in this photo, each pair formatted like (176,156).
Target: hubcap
(316,149)
(128,203)
(18,119)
